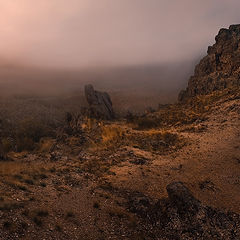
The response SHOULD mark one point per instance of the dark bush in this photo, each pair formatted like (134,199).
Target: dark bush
(145,123)
(23,135)
(7,144)
(31,129)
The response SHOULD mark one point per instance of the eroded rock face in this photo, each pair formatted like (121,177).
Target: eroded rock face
(220,69)
(100,103)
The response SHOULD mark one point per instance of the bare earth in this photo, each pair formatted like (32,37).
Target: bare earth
(84,193)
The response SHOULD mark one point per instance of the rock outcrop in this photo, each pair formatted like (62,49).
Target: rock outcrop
(220,69)
(180,196)
(100,103)
(182,216)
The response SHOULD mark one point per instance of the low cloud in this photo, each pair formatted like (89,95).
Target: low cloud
(87,33)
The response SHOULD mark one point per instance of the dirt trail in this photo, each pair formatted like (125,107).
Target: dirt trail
(209,165)
(84,196)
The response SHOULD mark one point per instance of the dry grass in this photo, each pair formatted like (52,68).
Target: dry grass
(46,144)
(17,168)
(115,150)
(115,136)
(156,141)
(197,108)
(112,134)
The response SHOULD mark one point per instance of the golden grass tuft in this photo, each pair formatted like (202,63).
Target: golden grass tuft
(45,145)
(111,134)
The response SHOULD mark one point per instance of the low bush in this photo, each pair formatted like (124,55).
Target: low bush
(24,136)
(146,123)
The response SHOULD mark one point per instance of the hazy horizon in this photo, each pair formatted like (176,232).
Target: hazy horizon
(141,48)
(86,33)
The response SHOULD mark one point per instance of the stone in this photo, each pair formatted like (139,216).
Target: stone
(182,216)
(100,103)
(218,70)
(181,197)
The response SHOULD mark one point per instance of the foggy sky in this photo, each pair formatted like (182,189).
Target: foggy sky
(83,33)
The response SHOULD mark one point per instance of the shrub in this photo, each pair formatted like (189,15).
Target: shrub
(111,134)
(29,132)
(170,138)
(25,144)
(145,123)
(7,145)
(31,129)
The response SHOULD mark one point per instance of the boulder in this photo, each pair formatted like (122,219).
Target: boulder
(182,216)
(182,198)
(100,103)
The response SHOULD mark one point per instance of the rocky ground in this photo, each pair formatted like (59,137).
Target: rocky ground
(177,181)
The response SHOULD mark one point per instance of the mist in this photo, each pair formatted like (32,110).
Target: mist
(138,47)
(87,33)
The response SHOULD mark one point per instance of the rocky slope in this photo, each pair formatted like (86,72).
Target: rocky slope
(115,187)
(220,69)
(171,174)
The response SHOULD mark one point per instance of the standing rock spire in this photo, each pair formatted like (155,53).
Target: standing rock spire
(100,103)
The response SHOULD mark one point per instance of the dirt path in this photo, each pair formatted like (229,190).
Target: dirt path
(209,166)
(84,197)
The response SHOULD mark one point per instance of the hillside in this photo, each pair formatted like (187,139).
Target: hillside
(166,174)
(102,187)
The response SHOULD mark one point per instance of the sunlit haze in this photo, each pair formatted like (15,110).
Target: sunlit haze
(86,33)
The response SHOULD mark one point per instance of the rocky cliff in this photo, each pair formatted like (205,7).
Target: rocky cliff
(220,69)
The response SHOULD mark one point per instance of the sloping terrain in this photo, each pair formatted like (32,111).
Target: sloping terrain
(109,181)
(167,174)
